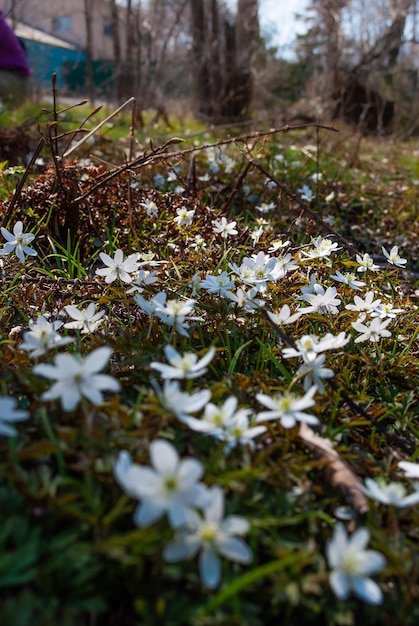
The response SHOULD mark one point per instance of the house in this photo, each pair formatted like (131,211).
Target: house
(47,55)
(55,34)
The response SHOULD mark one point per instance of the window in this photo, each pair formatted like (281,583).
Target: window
(107,27)
(62,24)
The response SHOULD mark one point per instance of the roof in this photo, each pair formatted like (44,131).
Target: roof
(34,34)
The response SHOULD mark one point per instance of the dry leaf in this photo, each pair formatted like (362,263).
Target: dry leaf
(336,470)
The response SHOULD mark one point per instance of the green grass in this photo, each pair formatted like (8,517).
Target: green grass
(70,552)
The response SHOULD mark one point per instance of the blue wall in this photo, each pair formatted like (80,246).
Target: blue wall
(44,60)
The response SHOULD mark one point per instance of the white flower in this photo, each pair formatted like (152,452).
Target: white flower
(143,279)
(393,494)
(385,309)
(170,486)
(42,336)
(117,267)
(238,430)
(211,534)
(176,313)
(308,346)
(246,299)
(366,263)
(256,234)
(76,377)
(349,278)
(264,207)
(218,284)
(322,301)
(86,320)
(9,413)
(278,244)
(186,366)
(321,248)
(288,408)
(180,403)
(225,423)
(257,270)
(313,372)
(18,242)
(151,207)
(306,193)
(284,265)
(184,217)
(411,470)
(393,257)
(283,316)
(224,228)
(352,565)
(149,307)
(374,331)
(364,307)
(195,283)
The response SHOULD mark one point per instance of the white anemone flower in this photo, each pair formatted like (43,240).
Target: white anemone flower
(225,422)
(246,299)
(184,217)
(322,247)
(170,486)
(18,242)
(364,306)
(9,414)
(393,257)
(42,336)
(374,331)
(224,228)
(180,403)
(393,494)
(349,278)
(176,313)
(352,565)
(366,263)
(284,316)
(211,534)
(411,470)
(78,377)
(183,366)
(86,320)
(287,408)
(220,283)
(117,267)
(313,372)
(323,301)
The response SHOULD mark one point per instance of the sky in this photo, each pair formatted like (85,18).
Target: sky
(278,23)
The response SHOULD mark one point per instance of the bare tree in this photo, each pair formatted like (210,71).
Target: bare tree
(88,13)
(117,56)
(222,52)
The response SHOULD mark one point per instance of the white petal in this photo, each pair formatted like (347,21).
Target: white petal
(147,513)
(374,561)
(235,549)
(214,512)
(209,568)
(97,360)
(235,525)
(339,584)
(184,548)
(163,456)
(359,539)
(367,590)
(190,471)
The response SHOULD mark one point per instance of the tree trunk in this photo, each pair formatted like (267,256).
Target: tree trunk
(88,14)
(117,59)
(201,76)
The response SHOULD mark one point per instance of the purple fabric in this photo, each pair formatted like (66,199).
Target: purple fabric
(12,55)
